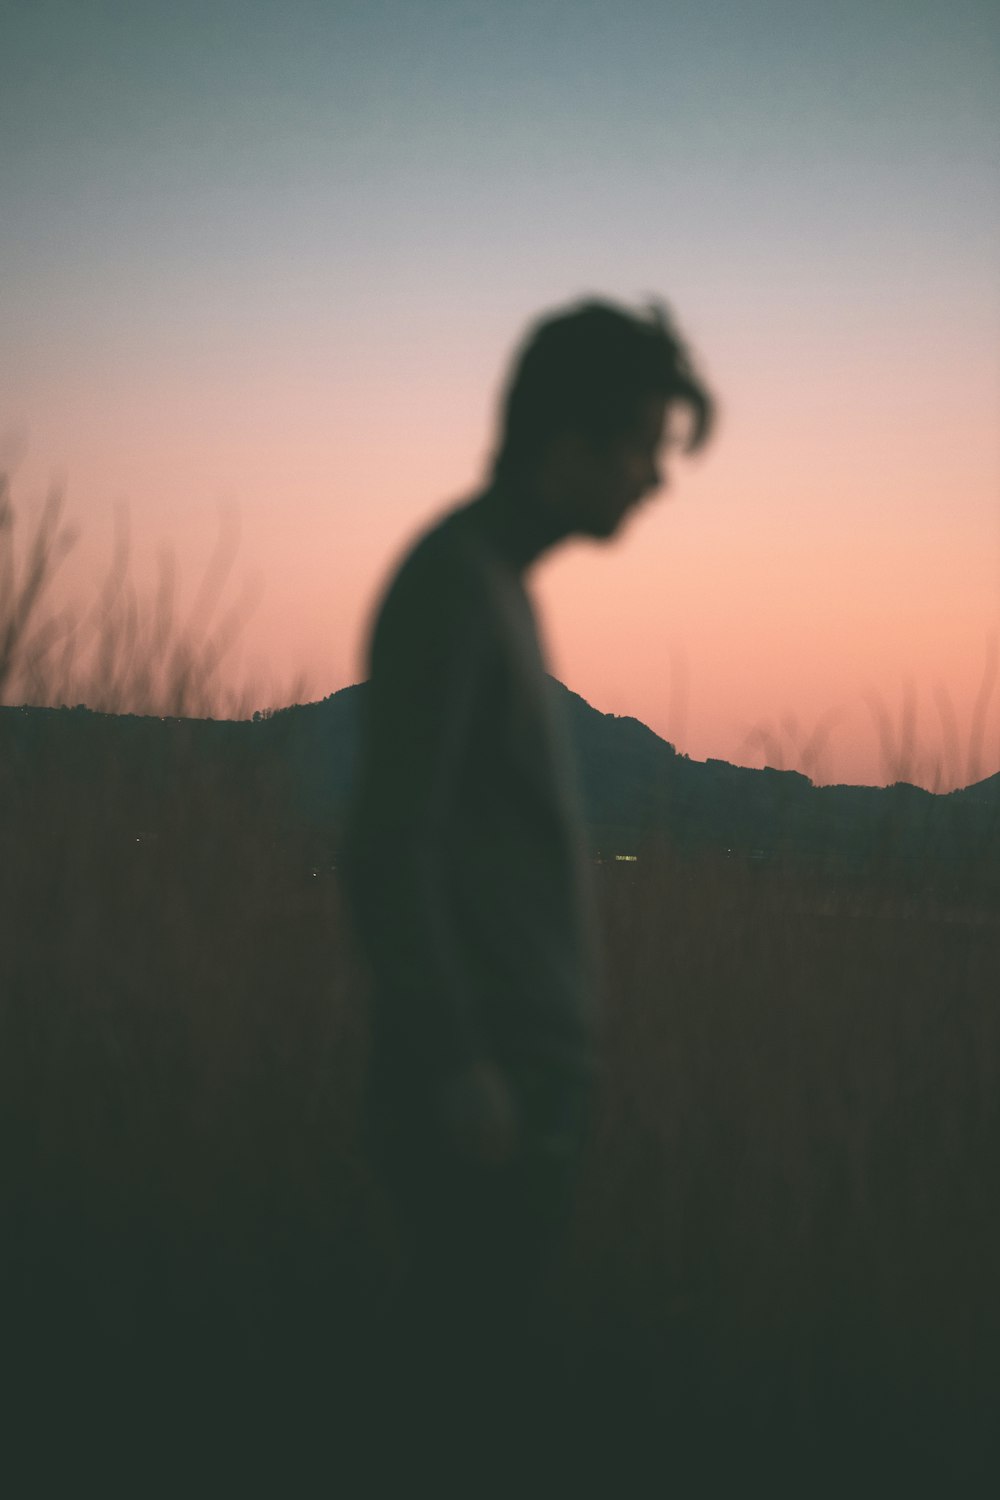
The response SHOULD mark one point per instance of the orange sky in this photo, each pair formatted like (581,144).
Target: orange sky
(786,573)
(281,269)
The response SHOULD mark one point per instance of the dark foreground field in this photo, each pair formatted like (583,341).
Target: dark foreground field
(784,1265)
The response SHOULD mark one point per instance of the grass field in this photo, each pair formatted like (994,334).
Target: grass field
(784,1257)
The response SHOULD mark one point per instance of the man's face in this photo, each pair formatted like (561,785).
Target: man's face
(610,481)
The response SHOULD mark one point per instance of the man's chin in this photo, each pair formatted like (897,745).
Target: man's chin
(618,525)
(606,529)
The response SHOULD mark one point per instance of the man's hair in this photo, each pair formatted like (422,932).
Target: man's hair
(586,369)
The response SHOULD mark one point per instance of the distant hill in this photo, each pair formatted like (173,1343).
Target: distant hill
(985,792)
(637,790)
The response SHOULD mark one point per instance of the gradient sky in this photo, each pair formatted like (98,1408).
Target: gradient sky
(276,257)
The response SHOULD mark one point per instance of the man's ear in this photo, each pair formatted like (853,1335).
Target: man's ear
(569,452)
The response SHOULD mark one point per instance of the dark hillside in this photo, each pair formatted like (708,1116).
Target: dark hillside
(293,770)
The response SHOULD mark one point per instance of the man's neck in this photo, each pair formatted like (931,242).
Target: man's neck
(519,521)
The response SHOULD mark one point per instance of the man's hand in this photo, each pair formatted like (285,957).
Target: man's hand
(480,1116)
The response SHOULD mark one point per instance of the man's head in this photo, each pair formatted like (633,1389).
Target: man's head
(588,407)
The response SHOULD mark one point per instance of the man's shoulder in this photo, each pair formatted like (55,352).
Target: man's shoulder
(445,561)
(448,543)
(441,583)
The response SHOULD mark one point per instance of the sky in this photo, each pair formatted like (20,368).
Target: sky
(267,265)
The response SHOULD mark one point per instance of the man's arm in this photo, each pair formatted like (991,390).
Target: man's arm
(429,651)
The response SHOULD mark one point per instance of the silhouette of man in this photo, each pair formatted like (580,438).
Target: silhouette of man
(467,869)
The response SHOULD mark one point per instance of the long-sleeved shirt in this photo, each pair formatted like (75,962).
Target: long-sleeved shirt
(465,855)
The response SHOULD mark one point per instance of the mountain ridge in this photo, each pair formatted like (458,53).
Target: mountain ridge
(637,790)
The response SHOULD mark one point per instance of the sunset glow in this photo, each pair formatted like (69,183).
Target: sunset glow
(278,261)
